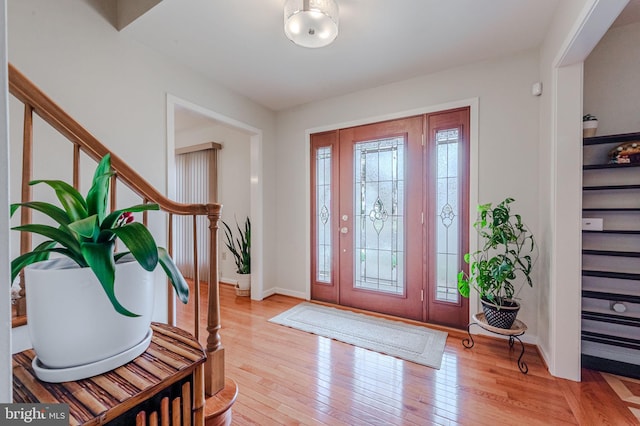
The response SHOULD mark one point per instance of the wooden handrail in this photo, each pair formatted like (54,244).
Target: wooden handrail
(37,102)
(27,92)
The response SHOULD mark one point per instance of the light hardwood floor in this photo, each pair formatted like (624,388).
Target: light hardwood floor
(289,377)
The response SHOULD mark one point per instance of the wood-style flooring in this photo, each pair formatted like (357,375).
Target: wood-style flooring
(289,377)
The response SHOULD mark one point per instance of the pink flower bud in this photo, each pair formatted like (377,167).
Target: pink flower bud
(125,218)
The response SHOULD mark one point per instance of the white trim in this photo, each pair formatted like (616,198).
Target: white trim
(591,24)
(6,387)
(285,292)
(474,172)
(257,180)
(564,302)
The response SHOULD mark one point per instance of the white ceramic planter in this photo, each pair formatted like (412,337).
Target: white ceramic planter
(71,321)
(244,285)
(589,128)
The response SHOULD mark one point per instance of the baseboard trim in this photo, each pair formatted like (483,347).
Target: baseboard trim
(284,292)
(226,280)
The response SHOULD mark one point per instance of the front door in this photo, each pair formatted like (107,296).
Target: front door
(380,207)
(377,208)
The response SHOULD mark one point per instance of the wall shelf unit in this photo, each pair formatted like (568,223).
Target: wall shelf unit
(610,265)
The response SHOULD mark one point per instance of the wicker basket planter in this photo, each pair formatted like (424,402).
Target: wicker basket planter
(500,316)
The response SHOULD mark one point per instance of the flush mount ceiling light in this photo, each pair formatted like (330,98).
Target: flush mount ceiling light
(311,23)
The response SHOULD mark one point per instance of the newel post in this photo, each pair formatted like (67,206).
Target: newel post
(214,367)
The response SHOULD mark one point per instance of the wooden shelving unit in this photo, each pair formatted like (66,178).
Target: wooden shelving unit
(611,269)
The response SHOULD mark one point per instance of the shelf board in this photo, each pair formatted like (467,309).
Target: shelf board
(614,231)
(611,366)
(609,166)
(611,253)
(609,187)
(598,140)
(611,274)
(612,209)
(614,297)
(607,339)
(613,318)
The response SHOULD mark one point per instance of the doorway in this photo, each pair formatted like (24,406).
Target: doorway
(388,203)
(255,204)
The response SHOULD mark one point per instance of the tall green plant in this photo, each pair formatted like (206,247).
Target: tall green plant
(87,233)
(505,256)
(240,248)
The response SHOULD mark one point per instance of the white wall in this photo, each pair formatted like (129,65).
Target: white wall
(117,89)
(233,179)
(508,149)
(5,293)
(577,27)
(611,89)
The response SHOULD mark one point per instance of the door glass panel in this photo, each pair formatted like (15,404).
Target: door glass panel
(447,215)
(323,214)
(378,215)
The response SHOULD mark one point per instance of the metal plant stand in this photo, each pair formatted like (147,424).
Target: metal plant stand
(517,329)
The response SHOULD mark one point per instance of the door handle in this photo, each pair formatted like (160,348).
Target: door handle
(344,230)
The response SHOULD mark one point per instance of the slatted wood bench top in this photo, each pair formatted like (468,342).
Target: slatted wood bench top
(157,384)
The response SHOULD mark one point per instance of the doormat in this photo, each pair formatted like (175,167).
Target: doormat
(409,342)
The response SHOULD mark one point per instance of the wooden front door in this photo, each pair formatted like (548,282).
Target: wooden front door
(376,243)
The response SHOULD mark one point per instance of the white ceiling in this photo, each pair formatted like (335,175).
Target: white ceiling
(241,43)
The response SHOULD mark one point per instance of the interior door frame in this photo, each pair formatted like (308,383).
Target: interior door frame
(472,103)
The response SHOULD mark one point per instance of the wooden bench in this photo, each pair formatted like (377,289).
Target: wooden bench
(163,386)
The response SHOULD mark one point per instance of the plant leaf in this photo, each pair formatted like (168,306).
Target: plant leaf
(69,197)
(59,235)
(54,212)
(120,255)
(40,253)
(176,278)
(100,260)
(98,194)
(463,285)
(87,227)
(140,242)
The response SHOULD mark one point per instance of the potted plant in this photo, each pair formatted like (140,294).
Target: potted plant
(240,248)
(504,261)
(589,125)
(73,327)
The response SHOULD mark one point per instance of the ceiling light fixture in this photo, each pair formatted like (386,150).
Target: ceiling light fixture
(311,23)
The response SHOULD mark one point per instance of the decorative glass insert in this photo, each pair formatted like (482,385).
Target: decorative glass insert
(447,215)
(379,194)
(323,214)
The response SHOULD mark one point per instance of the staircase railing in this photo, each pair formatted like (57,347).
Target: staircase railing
(35,101)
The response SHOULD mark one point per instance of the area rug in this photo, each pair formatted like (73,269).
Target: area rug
(414,343)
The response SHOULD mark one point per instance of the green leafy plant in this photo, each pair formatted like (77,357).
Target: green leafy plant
(505,256)
(240,248)
(87,233)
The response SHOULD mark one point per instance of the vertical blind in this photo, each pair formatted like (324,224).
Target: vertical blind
(196,182)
